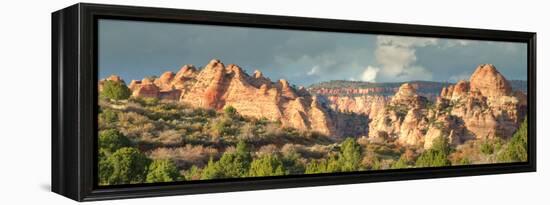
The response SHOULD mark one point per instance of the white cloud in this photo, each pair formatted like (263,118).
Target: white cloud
(456,42)
(406,41)
(314,70)
(397,56)
(458,77)
(369,74)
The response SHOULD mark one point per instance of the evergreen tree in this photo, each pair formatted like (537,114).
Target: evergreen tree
(111,140)
(267,165)
(125,166)
(115,90)
(350,157)
(437,155)
(212,170)
(163,170)
(516,149)
(230,165)
(316,167)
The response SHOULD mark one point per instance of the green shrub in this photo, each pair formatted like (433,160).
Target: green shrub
(350,157)
(230,165)
(125,166)
(230,112)
(486,147)
(115,90)
(436,156)
(432,158)
(111,140)
(193,173)
(212,170)
(516,148)
(163,170)
(267,165)
(400,164)
(316,167)
(108,116)
(225,127)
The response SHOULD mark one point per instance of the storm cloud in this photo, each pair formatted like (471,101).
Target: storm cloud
(134,49)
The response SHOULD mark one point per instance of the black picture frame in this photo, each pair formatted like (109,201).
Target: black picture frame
(74,100)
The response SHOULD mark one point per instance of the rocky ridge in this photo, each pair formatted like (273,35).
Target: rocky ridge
(483,108)
(217,86)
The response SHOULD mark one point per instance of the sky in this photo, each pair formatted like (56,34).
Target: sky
(135,49)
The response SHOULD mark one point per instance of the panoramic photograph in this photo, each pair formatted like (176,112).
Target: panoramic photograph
(187,102)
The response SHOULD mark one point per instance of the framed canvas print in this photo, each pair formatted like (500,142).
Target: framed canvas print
(155,102)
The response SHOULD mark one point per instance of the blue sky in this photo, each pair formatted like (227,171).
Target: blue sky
(134,49)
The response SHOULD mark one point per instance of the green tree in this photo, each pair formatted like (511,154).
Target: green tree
(267,165)
(437,155)
(316,167)
(115,90)
(400,164)
(163,170)
(193,173)
(350,157)
(487,147)
(104,168)
(516,148)
(292,164)
(212,170)
(230,165)
(230,112)
(111,140)
(441,144)
(125,166)
(108,116)
(334,164)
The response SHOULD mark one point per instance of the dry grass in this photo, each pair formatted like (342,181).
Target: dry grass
(186,156)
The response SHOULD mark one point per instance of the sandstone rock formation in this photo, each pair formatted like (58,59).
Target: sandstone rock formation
(489,82)
(217,86)
(403,118)
(483,108)
(488,108)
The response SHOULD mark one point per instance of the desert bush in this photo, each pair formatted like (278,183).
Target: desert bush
(125,166)
(193,173)
(115,90)
(171,137)
(230,165)
(370,160)
(163,170)
(432,158)
(316,167)
(186,156)
(224,127)
(516,149)
(111,140)
(230,112)
(400,164)
(268,149)
(437,155)
(292,160)
(135,125)
(107,116)
(267,165)
(145,102)
(486,147)
(405,160)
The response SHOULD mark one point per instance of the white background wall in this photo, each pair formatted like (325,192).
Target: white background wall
(25,102)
